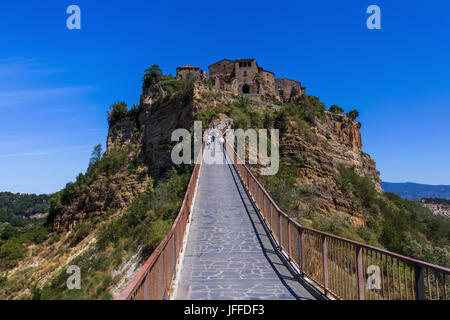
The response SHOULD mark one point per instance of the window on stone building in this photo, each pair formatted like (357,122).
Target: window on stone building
(245,73)
(245,89)
(249,63)
(240,64)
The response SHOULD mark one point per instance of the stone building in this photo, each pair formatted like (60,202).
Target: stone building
(187,70)
(244,76)
(288,89)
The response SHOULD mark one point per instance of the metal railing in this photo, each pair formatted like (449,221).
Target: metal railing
(154,280)
(341,267)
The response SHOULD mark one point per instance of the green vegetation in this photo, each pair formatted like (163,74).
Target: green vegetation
(138,229)
(247,113)
(15,207)
(95,280)
(353,114)
(165,88)
(152,76)
(144,224)
(211,94)
(107,165)
(336,109)
(14,239)
(150,216)
(206,117)
(117,111)
(399,225)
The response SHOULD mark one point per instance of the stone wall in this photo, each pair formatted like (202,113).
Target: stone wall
(189,71)
(244,76)
(246,71)
(285,88)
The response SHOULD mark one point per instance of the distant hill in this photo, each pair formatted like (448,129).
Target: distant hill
(15,208)
(411,191)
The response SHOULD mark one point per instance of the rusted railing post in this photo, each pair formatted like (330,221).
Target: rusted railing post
(419,283)
(270,217)
(325,262)
(359,273)
(289,239)
(301,249)
(174,249)
(279,229)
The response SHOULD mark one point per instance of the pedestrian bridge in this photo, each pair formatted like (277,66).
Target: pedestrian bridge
(231,241)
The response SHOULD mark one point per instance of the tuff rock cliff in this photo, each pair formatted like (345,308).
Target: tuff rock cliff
(147,133)
(339,142)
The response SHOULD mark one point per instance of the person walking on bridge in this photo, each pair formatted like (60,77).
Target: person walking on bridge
(208,140)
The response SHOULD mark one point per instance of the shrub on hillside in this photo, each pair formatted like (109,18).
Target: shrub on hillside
(336,109)
(206,117)
(353,114)
(116,112)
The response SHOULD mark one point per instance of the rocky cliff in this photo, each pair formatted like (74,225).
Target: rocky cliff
(339,141)
(142,138)
(148,128)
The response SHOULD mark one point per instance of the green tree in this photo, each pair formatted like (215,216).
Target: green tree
(152,75)
(69,193)
(353,114)
(96,154)
(336,109)
(8,232)
(116,112)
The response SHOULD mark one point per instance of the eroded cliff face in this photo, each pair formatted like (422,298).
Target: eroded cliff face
(339,142)
(147,133)
(145,137)
(155,122)
(105,193)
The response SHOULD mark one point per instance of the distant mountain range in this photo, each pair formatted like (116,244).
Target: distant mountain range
(411,191)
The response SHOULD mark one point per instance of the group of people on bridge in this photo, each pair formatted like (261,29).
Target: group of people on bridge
(212,136)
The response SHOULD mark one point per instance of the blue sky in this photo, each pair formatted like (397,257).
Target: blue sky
(57,84)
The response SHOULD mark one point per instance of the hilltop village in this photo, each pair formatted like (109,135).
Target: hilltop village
(244,76)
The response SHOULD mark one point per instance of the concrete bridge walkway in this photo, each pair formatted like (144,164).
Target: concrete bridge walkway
(228,253)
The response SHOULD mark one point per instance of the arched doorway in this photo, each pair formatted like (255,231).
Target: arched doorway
(245,89)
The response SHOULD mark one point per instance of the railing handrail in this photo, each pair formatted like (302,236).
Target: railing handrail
(139,278)
(330,248)
(162,263)
(363,245)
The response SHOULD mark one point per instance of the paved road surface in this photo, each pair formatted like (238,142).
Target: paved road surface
(228,254)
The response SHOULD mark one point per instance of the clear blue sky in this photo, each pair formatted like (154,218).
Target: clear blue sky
(56,84)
